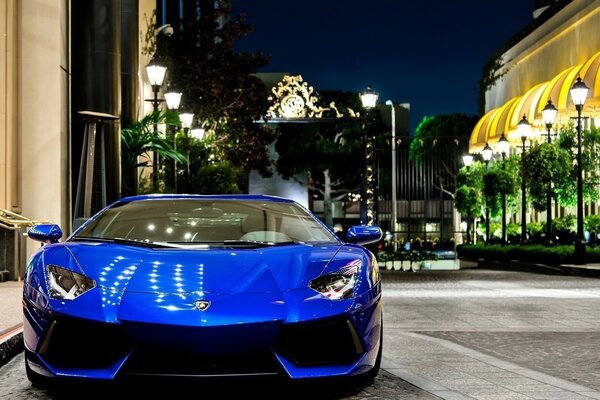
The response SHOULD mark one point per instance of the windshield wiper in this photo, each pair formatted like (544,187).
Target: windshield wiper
(253,243)
(133,242)
(238,243)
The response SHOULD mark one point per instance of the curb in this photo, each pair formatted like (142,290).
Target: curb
(11,343)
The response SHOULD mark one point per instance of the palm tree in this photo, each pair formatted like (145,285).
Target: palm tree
(137,141)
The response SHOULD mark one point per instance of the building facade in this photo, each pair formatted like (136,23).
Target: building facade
(541,64)
(59,58)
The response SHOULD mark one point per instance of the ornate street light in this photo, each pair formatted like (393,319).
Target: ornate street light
(156,74)
(486,154)
(368,98)
(579,94)
(549,114)
(394,225)
(503,147)
(173,100)
(525,131)
(172,97)
(186,122)
(468,161)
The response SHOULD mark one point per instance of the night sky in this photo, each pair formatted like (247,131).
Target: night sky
(427,53)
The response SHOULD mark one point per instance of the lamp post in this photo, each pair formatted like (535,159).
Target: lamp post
(579,94)
(156,74)
(549,114)
(525,130)
(368,98)
(186,123)
(503,148)
(487,153)
(173,99)
(394,225)
(468,161)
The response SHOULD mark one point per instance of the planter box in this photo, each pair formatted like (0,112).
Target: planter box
(421,265)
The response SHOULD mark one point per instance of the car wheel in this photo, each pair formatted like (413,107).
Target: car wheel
(37,380)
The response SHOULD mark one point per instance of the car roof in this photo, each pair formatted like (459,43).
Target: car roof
(250,197)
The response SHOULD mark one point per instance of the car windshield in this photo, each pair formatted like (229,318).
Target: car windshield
(189,222)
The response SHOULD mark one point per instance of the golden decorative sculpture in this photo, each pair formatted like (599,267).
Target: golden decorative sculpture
(294,98)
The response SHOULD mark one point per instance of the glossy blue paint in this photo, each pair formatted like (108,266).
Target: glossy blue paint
(48,233)
(364,234)
(148,296)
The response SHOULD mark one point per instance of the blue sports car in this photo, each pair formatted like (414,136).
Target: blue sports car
(202,286)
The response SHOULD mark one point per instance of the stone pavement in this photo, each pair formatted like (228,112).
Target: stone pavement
(466,334)
(482,334)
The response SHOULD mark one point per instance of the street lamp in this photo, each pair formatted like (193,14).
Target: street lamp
(186,122)
(394,205)
(173,99)
(156,74)
(503,148)
(468,161)
(486,154)
(368,98)
(579,94)
(525,130)
(549,114)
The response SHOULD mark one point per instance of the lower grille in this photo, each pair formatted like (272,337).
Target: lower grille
(333,341)
(77,343)
(146,361)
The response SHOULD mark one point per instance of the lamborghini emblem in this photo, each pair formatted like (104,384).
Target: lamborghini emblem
(202,304)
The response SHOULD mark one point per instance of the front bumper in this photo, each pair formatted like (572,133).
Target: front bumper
(66,347)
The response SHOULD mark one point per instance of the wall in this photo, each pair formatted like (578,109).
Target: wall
(43,105)
(10,198)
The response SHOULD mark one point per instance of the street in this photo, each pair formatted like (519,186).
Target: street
(466,334)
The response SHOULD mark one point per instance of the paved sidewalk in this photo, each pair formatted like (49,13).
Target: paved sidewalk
(454,372)
(11,320)
(417,347)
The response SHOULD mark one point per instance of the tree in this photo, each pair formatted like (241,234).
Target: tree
(221,87)
(500,180)
(436,135)
(468,199)
(330,152)
(546,167)
(566,192)
(137,141)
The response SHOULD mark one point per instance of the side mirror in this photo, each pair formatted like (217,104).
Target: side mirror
(364,234)
(46,233)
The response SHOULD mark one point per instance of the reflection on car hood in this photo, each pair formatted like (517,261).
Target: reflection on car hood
(220,271)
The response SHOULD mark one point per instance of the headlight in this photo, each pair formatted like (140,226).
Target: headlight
(66,284)
(339,284)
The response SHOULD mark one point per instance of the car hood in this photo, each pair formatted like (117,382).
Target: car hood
(137,285)
(179,271)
